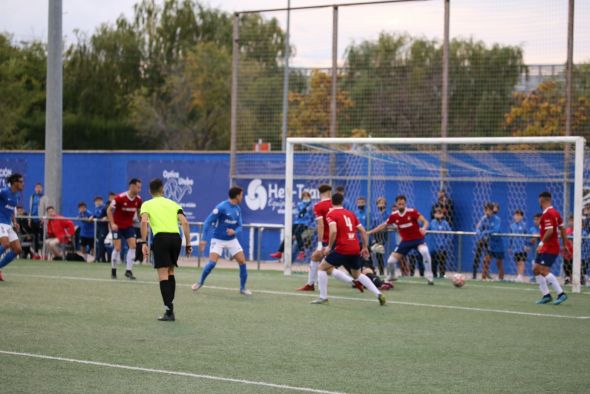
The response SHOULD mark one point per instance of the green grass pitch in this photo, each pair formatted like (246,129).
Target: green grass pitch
(485,337)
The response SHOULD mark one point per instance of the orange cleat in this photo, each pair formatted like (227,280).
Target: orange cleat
(358,285)
(307,287)
(276,255)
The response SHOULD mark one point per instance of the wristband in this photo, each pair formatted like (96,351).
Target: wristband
(541,244)
(320,245)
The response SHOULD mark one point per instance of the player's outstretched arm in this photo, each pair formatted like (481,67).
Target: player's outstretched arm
(320,231)
(110,217)
(377,229)
(425,224)
(332,238)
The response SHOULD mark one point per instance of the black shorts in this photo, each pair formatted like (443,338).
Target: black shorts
(350,262)
(86,241)
(520,256)
(166,248)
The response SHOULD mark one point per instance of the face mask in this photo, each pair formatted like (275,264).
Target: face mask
(361,207)
(306,200)
(381,208)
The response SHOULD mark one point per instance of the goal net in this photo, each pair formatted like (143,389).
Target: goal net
(456,177)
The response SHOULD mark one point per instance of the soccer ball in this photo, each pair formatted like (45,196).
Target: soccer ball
(458,280)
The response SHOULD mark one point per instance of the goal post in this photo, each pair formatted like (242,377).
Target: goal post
(511,169)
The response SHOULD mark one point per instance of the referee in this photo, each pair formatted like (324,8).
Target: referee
(163,216)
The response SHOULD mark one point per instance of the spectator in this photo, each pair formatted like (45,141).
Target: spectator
(59,233)
(567,253)
(37,205)
(102,228)
(439,243)
(445,204)
(586,255)
(304,219)
(380,239)
(490,225)
(346,204)
(24,232)
(518,245)
(481,246)
(86,230)
(361,211)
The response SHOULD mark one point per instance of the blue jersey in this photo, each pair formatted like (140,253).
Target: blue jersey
(8,202)
(534,230)
(86,228)
(439,242)
(225,216)
(304,214)
(361,215)
(585,246)
(518,244)
(488,226)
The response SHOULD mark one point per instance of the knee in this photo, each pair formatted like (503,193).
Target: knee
(17,249)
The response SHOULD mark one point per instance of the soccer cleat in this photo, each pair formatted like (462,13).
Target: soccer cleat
(381,299)
(546,299)
(276,255)
(307,287)
(430,283)
(245,292)
(560,299)
(167,317)
(320,301)
(300,255)
(1,277)
(196,286)
(129,275)
(358,285)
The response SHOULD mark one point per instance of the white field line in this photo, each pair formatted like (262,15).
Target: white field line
(292,294)
(166,372)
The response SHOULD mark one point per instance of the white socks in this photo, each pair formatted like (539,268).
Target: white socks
(542,284)
(552,280)
(341,276)
(368,283)
(313,272)
(130,257)
(391,263)
(323,283)
(115,257)
(423,249)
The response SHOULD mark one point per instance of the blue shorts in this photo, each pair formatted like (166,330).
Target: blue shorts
(124,233)
(406,247)
(546,259)
(351,262)
(496,255)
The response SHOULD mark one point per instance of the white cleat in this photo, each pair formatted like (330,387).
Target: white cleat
(196,286)
(245,292)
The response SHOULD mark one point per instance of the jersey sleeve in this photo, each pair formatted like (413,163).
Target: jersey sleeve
(330,218)
(415,214)
(144,209)
(317,212)
(390,219)
(208,227)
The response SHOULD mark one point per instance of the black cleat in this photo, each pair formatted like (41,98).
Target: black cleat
(167,317)
(113,273)
(129,274)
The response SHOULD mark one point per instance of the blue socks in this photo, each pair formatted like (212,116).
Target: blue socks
(243,276)
(7,259)
(2,250)
(206,271)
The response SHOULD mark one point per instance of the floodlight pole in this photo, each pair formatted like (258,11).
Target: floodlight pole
(444,119)
(54,106)
(286,80)
(234,98)
(568,105)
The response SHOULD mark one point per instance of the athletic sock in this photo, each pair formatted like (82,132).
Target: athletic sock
(206,271)
(172,281)
(552,280)
(115,258)
(391,263)
(426,260)
(342,276)
(7,259)
(243,276)
(323,284)
(368,283)
(542,284)
(129,258)
(313,272)
(166,291)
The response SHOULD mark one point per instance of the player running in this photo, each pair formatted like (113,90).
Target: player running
(343,226)
(412,235)
(220,229)
(548,250)
(9,241)
(121,213)
(320,211)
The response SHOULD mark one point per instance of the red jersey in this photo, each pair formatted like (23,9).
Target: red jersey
(407,224)
(550,219)
(347,242)
(321,210)
(125,209)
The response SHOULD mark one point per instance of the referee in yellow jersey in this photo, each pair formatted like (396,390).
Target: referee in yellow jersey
(163,216)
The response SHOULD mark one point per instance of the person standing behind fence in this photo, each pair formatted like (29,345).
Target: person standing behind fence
(10,246)
(37,207)
(534,240)
(445,204)
(518,245)
(380,238)
(495,244)
(102,228)
(302,221)
(439,244)
(86,230)
(163,216)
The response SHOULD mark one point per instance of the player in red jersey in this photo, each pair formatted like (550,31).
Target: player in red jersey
(320,211)
(548,250)
(407,221)
(343,250)
(121,212)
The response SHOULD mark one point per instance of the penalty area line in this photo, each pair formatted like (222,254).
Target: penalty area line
(167,372)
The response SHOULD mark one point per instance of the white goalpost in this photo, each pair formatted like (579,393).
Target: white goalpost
(474,171)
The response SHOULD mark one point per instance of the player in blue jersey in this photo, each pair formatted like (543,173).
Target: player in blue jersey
(518,245)
(9,244)
(220,230)
(489,225)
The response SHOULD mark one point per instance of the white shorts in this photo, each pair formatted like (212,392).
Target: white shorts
(6,230)
(218,245)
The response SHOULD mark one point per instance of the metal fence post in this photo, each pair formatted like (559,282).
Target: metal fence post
(286,80)
(444,118)
(259,246)
(234,98)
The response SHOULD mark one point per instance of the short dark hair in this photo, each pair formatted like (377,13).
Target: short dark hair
(20,207)
(337,199)
(537,215)
(489,205)
(98,198)
(82,204)
(361,198)
(112,194)
(546,195)
(49,207)
(323,188)
(519,212)
(156,185)
(235,191)
(340,189)
(16,177)
(401,197)
(39,184)
(134,181)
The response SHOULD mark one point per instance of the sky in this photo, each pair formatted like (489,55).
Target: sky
(539,26)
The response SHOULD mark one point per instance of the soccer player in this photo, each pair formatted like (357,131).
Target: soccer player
(163,216)
(303,219)
(220,229)
(9,243)
(518,246)
(548,250)
(121,212)
(320,211)
(412,235)
(343,227)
